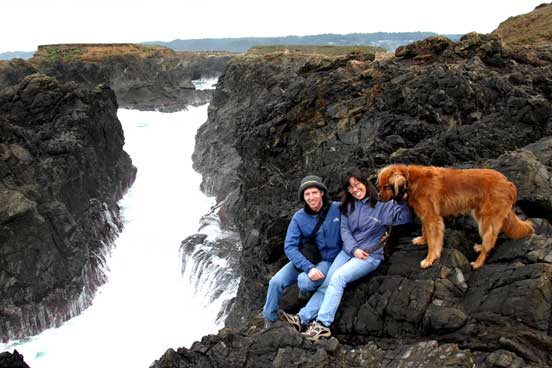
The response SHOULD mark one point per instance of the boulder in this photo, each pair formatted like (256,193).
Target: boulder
(62,171)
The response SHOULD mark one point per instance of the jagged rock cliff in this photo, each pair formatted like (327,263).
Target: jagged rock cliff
(471,103)
(142,77)
(62,171)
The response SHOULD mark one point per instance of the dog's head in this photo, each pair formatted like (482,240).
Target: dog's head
(393,182)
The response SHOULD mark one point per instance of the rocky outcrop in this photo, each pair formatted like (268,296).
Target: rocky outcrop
(142,77)
(9,360)
(146,80)
(282,347)
(62,171)
(13,71)
(471,103)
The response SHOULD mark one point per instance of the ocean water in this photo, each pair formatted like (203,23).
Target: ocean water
(148,305)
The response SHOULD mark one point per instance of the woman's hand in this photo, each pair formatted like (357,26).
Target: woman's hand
(361,254)
(315,274)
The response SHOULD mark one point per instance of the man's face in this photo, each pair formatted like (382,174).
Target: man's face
(313,197)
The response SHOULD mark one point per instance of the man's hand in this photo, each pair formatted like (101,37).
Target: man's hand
(361,254)
(315,274)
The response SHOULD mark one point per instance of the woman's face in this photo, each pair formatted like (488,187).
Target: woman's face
(356,188)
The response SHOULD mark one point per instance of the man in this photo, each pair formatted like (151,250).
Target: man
(308,276)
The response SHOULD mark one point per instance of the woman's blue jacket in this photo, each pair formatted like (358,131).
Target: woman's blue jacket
(364,226)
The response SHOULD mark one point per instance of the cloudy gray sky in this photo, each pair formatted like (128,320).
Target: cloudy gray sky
(26,24)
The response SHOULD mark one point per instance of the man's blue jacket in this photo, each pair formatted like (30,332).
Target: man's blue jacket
(328,238)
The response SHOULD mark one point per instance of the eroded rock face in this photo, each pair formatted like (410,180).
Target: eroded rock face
(141,80)
(13,71)
(151,83)
(470,103)
(62,171)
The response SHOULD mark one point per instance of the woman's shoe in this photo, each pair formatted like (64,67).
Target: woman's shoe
(317,330)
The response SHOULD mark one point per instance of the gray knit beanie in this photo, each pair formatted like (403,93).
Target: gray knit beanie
(310,181)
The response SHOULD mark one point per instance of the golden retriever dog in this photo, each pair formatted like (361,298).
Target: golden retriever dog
(435,192)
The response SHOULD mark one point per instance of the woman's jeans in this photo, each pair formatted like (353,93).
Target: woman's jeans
(325,301)
(288,276)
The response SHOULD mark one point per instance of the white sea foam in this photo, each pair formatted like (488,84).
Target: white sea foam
(208,83)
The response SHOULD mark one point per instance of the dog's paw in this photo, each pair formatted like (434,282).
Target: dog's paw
(477,248)
(475,265)
(425,263)
(419,240)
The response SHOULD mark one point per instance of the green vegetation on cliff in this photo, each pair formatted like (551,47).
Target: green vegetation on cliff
(61,52)
(95,52)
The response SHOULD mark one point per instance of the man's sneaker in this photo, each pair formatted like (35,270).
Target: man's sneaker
(268,323)
(317,330)
(292,319)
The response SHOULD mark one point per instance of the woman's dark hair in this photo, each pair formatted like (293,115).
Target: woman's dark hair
(346,198)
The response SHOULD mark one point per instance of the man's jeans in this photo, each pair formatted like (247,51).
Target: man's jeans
(325,301)
(288,276)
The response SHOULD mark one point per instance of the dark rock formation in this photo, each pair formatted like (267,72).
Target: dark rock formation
(62,171)
(281,346)
(142,77)
(13,71)
(154,82)
(15,360)
(469,103)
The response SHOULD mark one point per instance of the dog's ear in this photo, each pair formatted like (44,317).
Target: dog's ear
(398,182)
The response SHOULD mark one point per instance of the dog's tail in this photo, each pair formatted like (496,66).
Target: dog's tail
(515,228)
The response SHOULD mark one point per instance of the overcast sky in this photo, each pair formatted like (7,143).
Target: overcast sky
(26,24)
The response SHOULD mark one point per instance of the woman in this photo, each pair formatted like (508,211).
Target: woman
(364,221)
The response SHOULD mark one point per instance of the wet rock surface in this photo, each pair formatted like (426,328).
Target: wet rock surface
(62,171)
(471,103)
